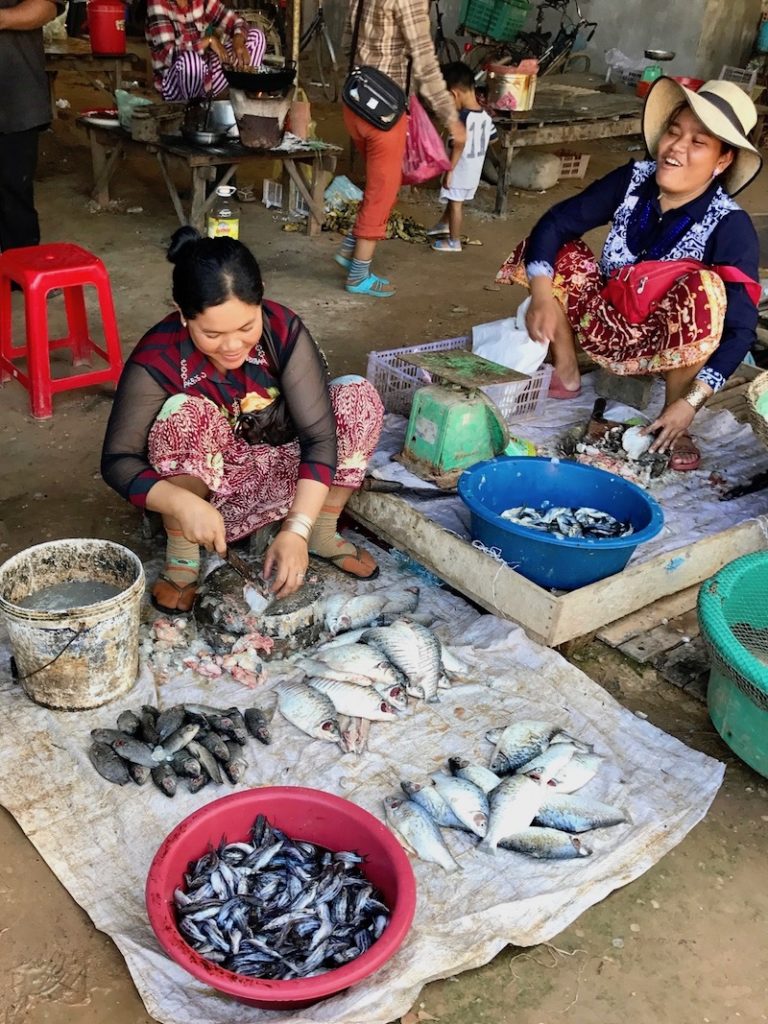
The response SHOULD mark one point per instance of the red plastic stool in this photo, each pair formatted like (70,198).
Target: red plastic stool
(38,269)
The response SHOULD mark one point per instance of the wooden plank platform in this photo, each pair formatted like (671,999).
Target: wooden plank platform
(554,619)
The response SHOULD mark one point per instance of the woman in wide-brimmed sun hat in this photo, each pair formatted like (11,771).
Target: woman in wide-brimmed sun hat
(676,206)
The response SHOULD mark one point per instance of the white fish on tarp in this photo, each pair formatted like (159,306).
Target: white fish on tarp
(468,803)
(309,710)
(549,763)
(353,700)
(341,612)
(477,774)
(454,668)
(255,599)
(414,650)
(362,660)
(518,743)
(545,844)
(419,831)
(513,806)
(580,770)
(573,813)
(428,798)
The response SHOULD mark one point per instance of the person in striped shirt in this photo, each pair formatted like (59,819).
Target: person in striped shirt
(190,39)
(224,422)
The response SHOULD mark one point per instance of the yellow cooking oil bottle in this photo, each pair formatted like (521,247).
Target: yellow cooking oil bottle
(223,219)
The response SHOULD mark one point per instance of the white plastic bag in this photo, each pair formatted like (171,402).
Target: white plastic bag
(507,342)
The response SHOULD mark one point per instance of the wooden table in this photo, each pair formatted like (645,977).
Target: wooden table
(562,114)
(109,145)
(75,55)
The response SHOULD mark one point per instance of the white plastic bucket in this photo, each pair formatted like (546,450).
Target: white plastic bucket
(81,657)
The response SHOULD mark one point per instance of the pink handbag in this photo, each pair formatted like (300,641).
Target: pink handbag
(425,155)
(636,290)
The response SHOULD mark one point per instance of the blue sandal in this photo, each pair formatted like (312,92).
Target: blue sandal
(447,245)
(377,287)
(343,261)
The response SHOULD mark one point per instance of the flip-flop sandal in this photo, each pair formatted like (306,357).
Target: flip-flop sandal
(165,590)
(558,390)
(446,245)
(361,556)
(343,261)
(685,456)
(376,287)
(438,231)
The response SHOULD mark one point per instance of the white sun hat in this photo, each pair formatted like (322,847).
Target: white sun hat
(723,108)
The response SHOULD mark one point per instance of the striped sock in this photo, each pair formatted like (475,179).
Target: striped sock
(347,247)
(182,559)
(358,271)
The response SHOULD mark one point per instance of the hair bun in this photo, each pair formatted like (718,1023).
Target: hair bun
(180,239)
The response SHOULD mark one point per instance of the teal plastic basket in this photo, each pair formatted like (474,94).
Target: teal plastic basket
(496,19)
(733,614)
(509,17)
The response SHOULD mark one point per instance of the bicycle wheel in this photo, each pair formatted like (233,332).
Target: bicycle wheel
(447,51)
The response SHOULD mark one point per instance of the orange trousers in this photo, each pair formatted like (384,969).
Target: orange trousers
(383,156)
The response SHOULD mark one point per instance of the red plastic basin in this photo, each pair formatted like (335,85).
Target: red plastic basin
(694,84)
(308,814)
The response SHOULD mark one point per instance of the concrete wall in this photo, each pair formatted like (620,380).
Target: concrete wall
(705,34)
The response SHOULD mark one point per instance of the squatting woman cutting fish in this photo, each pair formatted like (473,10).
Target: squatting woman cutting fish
(224,421)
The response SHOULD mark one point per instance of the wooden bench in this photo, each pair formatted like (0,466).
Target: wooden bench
(307,168)
(75,55)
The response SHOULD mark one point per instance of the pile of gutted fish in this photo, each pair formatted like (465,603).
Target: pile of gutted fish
(563,522)
(193,742)
(523,802)
(366,674)
(279,908)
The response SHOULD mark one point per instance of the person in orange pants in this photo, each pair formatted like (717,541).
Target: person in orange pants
(391,35)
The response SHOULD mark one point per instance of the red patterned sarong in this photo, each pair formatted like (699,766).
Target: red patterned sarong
(684,330)
(252,485)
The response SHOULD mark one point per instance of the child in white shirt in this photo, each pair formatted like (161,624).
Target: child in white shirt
(460,183)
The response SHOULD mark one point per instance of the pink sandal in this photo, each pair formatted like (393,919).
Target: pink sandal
(558,390)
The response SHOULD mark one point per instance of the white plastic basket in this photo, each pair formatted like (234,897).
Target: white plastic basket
(272,194)
(745,78)
(395,380)
(572,165)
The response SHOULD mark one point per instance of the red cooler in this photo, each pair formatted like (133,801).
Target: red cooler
(106,27)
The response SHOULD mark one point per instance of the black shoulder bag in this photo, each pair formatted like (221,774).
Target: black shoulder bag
(271,425)
(370,93)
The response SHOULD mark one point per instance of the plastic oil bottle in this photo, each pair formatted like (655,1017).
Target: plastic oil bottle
(223,219)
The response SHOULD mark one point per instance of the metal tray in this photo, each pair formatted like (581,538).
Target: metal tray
(278,81)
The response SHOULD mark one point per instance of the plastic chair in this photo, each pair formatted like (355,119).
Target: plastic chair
(38,270)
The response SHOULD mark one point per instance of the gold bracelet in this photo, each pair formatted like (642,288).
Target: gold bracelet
(697,395)
(301,529)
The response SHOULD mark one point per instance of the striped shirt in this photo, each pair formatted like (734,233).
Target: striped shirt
(171,29)
(165,362)
(391,32)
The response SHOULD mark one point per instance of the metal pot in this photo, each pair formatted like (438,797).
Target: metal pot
(203,138)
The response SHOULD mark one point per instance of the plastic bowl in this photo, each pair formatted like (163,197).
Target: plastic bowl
(690,83)
(309,814)
(642,88)
(560,564)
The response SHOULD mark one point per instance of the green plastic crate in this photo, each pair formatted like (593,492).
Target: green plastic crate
(477,15)
(508,18)
(497,19)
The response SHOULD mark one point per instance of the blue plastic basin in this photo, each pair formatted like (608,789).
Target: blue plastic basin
(491,487)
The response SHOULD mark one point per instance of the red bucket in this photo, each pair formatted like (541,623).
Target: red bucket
(309,814)
(106,27)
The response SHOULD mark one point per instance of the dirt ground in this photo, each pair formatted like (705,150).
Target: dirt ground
(684,944)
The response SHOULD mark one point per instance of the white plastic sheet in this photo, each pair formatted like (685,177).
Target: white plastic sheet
(100,839)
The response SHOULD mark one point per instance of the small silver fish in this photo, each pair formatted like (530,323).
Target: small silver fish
(483,778)
(419,831)
(309,710)
(580,770)
(513,806)
(468,803)
(354,701)
(520,742)
(545,844)
(428,798)
(577,813)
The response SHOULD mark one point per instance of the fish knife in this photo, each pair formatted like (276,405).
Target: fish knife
(242,568)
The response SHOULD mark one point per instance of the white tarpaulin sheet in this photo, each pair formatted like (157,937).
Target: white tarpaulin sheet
(730,455)
(99,839)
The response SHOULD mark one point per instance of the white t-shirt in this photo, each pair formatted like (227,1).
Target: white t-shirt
(480,131)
